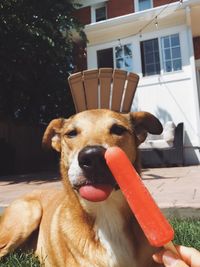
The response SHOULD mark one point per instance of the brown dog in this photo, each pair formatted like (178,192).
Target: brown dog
(88,223)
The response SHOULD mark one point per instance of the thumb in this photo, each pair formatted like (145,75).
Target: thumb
(171,260)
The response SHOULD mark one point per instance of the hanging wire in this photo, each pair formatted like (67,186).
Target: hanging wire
(155,20)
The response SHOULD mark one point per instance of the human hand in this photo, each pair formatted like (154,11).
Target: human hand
(190,257)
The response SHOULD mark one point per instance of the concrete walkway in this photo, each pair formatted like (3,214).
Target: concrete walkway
(176,190)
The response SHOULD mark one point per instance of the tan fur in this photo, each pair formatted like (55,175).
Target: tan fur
(64,229)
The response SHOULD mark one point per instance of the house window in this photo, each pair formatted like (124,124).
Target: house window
(143,4)
(171,53)
(99,12)
(105,58)
(119,57)
(123,57)
(150,57)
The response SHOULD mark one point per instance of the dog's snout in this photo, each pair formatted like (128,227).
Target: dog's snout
(93,164)
(91,157)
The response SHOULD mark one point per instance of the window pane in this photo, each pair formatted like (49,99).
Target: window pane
(155,44)
(166,42)
(123,57)
(144,4)
(172,55)
(177,64)
(127,50)
(118,51)
(119,63)
(150,69)
(157,68)
(168,66)
(167,54)
(100,13)
(150,57)
(105,58)
(128,63)
(176,53)
(175,40)
(148,47)
(157,57)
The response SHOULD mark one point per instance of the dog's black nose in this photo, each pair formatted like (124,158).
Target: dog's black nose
(92,162)
(91,158)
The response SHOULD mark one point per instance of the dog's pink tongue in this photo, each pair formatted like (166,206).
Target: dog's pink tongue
(95,193)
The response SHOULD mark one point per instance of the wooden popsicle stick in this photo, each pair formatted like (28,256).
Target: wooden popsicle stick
(170,246)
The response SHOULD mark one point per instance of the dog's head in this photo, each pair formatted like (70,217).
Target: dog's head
(83,139)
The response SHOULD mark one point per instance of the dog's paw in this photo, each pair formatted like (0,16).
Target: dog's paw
(17,223)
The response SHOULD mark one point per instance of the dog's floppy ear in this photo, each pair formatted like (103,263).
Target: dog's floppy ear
(51,137)
(143,123)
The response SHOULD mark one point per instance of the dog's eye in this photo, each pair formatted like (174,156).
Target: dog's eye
(71,134)
(118,129)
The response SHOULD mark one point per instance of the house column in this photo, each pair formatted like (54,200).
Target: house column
(194,77)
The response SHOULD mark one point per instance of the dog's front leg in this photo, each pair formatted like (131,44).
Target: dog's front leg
(18,221)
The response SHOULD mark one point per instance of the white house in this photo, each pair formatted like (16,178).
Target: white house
(156,41)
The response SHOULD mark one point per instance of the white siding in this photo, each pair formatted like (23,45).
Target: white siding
(170,96)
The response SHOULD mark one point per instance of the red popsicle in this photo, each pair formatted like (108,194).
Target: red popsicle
(153,223)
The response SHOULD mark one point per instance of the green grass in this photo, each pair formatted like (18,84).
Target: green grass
(20,259)
(187,232)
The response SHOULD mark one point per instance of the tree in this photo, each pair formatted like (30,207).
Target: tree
(35,59)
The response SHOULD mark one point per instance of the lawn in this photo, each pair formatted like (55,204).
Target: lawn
(19,259)
(187,232)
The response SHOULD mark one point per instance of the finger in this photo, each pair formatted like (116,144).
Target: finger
(190,255)
(171,260)
(157,257)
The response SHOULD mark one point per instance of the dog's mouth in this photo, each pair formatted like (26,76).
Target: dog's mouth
(98,182)
(95,192)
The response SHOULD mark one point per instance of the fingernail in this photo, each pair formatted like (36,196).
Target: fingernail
(169,258)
